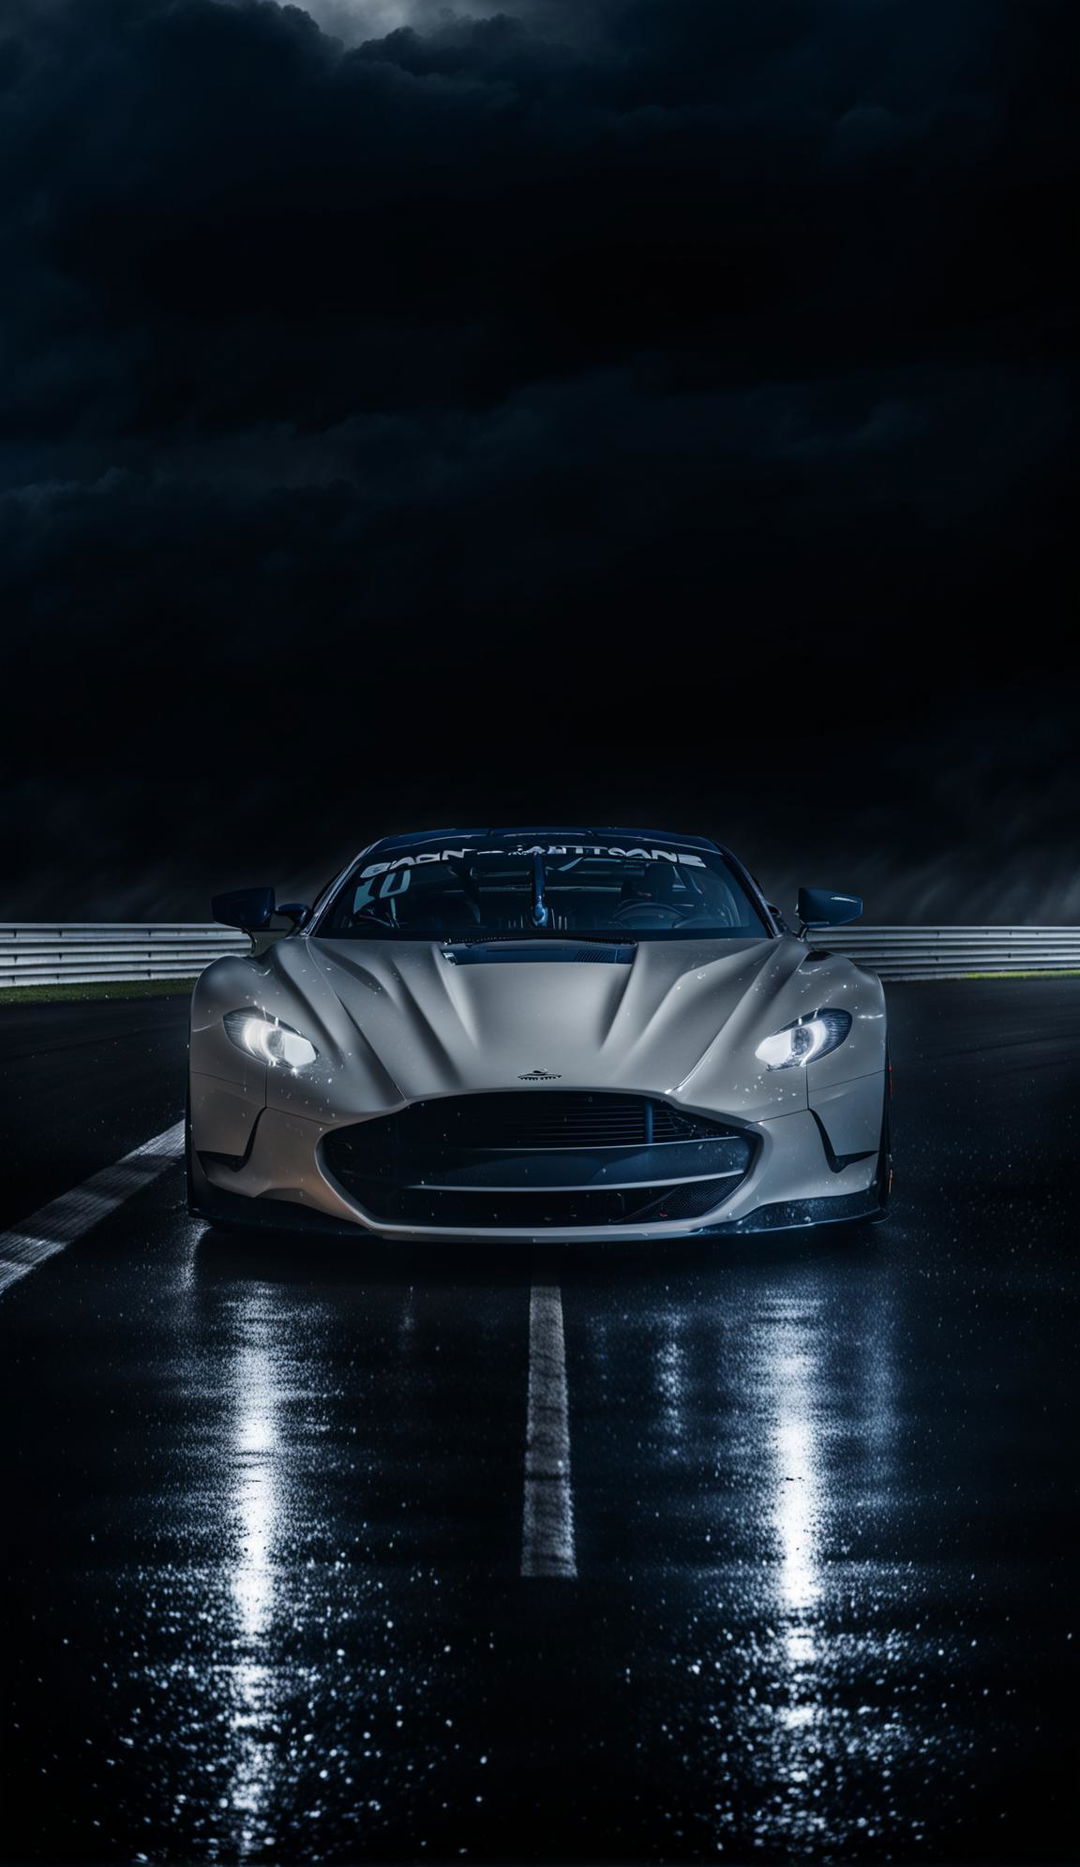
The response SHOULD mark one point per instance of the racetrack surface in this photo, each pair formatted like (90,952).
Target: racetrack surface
(801,1510)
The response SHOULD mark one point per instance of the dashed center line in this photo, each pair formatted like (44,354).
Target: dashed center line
(547,1539)
(58,1224)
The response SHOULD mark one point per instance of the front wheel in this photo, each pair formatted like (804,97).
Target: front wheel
(193,1175)
(189,1175)
(883,1177)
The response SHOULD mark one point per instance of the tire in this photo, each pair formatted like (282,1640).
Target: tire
(189,1176)
(196,1209)
(883,1177)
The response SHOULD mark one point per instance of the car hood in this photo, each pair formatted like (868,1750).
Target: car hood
(398,1022)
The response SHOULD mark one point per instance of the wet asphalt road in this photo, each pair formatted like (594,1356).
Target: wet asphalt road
(263,1505)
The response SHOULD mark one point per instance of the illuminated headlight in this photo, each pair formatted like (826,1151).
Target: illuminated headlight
(268,1041)
(807,1038)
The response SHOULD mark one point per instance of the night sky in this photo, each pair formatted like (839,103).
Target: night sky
(630,410)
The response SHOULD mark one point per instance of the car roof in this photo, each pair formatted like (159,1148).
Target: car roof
(417,839)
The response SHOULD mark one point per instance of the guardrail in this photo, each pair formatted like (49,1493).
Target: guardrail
(944,952)
(57,953)
(65,953)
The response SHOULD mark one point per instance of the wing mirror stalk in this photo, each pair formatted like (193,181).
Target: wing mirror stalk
(821,907)
(252,909)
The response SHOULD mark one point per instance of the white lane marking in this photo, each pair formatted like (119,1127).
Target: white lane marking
(53,1227)
(547,1537)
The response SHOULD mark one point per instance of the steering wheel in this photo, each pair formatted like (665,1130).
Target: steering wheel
(637,913)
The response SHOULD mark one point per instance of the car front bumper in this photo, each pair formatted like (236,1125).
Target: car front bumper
(811,1166)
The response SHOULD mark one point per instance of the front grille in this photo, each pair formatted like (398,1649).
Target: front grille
(535,1158)
(525,1118)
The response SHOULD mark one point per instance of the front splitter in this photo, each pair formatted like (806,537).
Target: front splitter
(279,1215)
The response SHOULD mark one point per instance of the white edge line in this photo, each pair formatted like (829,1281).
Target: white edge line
(55,1226)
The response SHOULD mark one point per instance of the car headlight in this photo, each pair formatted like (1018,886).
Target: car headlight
(268,1041)
(809,1037)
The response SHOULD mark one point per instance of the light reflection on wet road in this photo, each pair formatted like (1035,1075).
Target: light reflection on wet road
(263,1546)
(786,1694)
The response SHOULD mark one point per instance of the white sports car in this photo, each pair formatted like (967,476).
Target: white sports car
(525,1034)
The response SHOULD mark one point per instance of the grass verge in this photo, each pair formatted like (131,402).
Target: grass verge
(1034,972)
(94,988)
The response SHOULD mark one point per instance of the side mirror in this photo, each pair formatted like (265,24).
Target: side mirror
(820,907)
(295,911)
(249,908)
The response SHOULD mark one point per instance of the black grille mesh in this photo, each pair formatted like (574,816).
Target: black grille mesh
(391,1165)
(528,1118)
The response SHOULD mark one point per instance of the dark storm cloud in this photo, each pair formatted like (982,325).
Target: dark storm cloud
(625,409)
(252,222)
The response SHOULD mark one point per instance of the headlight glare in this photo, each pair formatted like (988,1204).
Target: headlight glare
(800,1043)
(268,1041)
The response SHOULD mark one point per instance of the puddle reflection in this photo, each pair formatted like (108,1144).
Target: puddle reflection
(753,1503)
(255,1508)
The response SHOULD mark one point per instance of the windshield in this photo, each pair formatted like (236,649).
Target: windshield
(543,890)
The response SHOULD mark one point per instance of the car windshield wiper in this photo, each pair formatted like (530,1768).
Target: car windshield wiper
(515,935)
(470,936)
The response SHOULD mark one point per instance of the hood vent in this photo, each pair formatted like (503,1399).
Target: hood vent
(537,953)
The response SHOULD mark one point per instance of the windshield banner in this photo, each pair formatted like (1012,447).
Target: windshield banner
(687,858)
